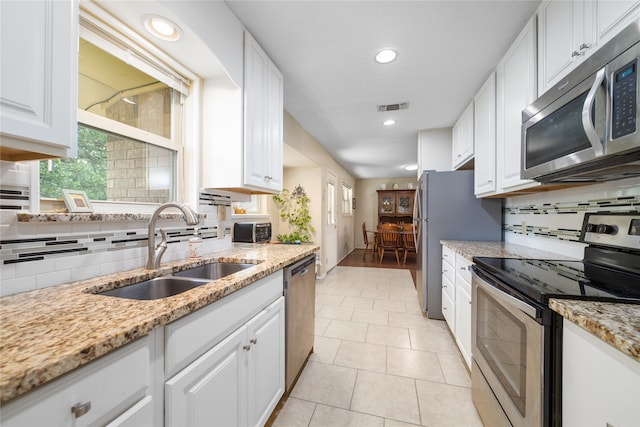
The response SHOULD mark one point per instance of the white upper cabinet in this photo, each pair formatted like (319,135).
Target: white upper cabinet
(263,119)
(484,136)
(516,89)
(243,127)
(462,139)
(570,31)
(38,98)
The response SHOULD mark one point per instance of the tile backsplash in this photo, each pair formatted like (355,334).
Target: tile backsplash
(553,220)
(35,255)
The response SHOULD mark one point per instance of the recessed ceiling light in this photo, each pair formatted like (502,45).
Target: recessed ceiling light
(411,167)
(128,101)
(389,122)
(385,56)
(161,27)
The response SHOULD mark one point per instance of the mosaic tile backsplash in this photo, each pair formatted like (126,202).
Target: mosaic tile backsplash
(35,255)
(553,220)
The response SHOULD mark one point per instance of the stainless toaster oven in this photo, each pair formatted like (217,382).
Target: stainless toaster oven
(251,232)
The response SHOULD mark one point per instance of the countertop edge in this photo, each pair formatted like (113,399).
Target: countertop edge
(616,324)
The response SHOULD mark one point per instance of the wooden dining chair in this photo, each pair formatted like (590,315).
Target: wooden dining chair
(389,239)
(365,235)
(409,243)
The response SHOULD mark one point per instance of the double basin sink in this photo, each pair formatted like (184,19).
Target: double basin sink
(182,281)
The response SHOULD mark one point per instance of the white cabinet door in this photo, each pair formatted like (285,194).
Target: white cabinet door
(463,144)
(38,79)
(516,89)
(600,385)
(263,115)
(485,138)
(612,16)
(266,362)
(113,390)
(565,38)
(463,319)
(211,390)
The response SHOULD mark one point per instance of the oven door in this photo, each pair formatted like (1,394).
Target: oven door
(508,347)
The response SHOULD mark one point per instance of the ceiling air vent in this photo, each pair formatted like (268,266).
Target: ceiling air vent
(393,107)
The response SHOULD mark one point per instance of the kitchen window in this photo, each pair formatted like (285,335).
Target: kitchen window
(256,206)
(347,200)
(130,115)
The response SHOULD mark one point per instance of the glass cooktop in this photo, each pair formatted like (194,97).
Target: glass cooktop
(541,279)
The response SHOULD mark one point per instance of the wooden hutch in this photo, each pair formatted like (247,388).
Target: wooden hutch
(395,206)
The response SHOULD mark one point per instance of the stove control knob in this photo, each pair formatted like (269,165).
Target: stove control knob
(606,229)
(591,228)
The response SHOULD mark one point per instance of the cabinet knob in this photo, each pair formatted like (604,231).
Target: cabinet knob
(444,308)
(575,53)
(445,270)
(444,286)
(79,409)
(584,46)
(462,268)
(246,347)
(254,341)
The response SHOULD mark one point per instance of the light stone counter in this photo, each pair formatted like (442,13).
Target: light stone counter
(615,324)
(469,249)
(47,333)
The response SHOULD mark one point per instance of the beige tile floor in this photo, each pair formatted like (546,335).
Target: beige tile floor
(377,361)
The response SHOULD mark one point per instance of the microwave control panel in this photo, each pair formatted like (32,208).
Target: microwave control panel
(625,88)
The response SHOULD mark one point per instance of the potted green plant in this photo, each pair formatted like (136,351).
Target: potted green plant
(294,209)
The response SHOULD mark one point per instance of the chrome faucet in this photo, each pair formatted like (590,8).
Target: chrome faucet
(156,252)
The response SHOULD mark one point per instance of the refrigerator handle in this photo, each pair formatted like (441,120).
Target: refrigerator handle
(417,215)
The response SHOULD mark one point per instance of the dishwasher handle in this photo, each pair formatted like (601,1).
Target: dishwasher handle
(303,267)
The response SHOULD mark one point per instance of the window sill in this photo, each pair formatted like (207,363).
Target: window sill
(55,217)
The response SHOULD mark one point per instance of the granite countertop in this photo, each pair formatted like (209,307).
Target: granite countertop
(615,324)
(469,249)
(48,332)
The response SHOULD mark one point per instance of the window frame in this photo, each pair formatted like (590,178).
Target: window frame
(106,32)
(347,200)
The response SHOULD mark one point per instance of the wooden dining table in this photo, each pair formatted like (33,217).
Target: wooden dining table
(400,233)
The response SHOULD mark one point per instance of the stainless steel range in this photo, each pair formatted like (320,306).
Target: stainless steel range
(517,338)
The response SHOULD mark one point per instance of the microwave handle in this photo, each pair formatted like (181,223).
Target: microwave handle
(589,128)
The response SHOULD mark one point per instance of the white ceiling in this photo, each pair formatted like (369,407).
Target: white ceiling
(325,50)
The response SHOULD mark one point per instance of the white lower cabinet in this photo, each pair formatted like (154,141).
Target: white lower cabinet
(600,384)
(115,390)
(456,299)
(239,378)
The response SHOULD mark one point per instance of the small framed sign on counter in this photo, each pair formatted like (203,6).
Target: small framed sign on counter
(77,201)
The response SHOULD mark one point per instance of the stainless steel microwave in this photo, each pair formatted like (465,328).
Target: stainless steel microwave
(585,128)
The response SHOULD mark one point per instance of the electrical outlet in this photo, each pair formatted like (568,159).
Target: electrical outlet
(524,228)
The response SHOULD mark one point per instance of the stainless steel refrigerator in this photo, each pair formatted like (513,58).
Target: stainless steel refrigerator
(446,208)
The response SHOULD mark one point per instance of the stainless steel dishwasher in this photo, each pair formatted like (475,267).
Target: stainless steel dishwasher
(300,303)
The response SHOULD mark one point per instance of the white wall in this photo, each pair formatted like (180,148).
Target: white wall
(299,139)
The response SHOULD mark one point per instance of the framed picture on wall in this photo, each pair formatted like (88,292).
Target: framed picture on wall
(77,201)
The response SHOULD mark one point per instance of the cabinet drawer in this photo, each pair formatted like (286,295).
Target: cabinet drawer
(188,338)
(448,287)
(114,385)
(448,255)
(448,271)
(462,267)
(448,311)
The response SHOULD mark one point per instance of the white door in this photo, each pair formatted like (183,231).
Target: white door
(331,236)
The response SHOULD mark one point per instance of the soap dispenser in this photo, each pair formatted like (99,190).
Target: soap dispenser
(194,244)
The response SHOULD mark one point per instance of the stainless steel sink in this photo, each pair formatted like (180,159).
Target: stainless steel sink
(214,270)
(159,287)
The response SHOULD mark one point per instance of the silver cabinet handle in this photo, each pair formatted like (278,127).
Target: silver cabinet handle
(584,46)
(254,341)
(462,268)
(79,409)
(575,53)
(444,286)
(246,347)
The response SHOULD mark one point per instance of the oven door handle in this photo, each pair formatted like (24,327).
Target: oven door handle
(507,299)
